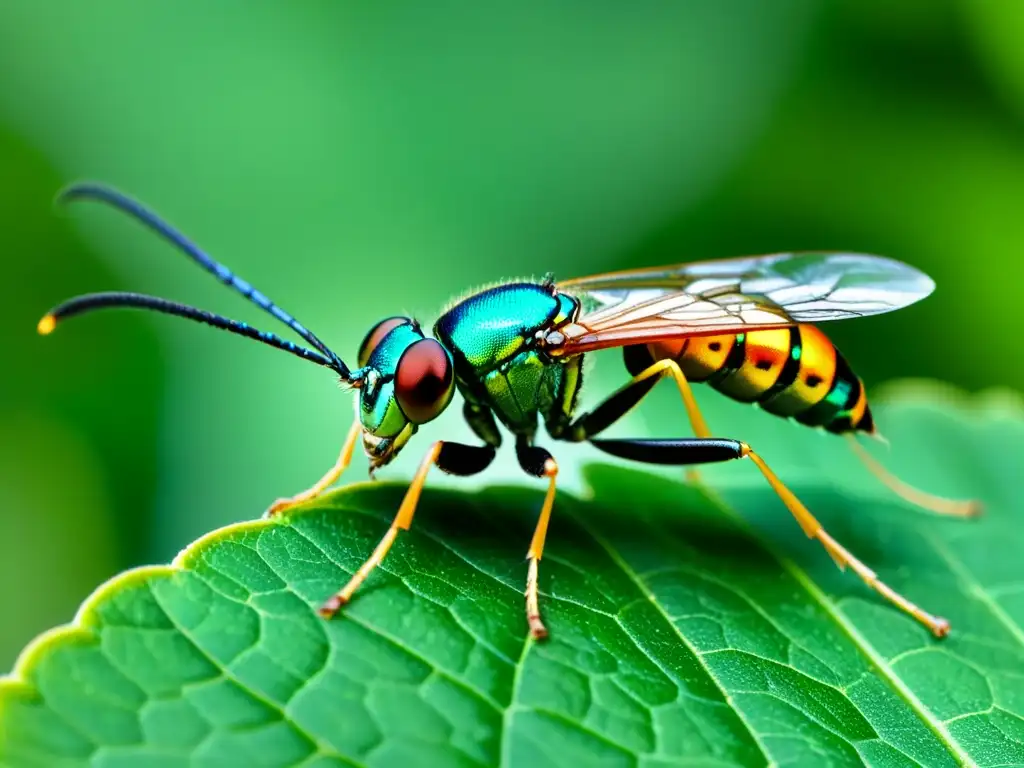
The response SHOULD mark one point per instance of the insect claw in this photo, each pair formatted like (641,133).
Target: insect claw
(279,506)
(331,606)
(537,629)
(939,626)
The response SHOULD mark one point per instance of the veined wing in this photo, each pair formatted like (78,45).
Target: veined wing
(734,296)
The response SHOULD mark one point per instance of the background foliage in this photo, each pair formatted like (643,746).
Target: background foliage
(357,161)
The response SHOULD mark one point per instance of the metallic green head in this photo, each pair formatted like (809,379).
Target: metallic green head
(405,379)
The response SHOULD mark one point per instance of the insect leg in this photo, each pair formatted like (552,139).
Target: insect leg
(481,421)
(622,400)
(701,451)
(539,463)
(325,482)
(907,492)
(454,458)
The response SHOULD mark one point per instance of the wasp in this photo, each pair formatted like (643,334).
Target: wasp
(514,352)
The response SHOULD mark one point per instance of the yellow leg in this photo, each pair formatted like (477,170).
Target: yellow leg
(325,482)
(700,427)
(936,504)
(402,522)
(537,628)
(938,626)
(660,368)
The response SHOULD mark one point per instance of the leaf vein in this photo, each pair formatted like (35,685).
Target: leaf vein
(861,642)
(450,675)
(507,716)
(977,589)
(322,748)
(645,591)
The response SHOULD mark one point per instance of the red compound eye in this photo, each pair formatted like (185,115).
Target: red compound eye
(424,381)
(376,334)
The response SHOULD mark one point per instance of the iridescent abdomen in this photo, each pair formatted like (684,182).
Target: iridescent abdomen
(792,372)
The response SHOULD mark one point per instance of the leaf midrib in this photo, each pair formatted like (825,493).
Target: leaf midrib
(862,644)
(647,593)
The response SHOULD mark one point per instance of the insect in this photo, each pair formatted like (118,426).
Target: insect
(514,353)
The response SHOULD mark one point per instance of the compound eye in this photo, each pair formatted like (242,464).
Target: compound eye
(376,335)
(424,381)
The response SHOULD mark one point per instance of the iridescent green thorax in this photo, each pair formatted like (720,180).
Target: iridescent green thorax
(492,337)
(493,326)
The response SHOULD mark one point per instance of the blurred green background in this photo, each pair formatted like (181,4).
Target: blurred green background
(360,160)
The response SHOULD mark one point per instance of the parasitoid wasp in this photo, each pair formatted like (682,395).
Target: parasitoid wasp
(514,352)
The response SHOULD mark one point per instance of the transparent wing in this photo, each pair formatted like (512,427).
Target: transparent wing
(734,296)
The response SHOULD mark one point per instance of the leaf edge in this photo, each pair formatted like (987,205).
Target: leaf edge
(991,403)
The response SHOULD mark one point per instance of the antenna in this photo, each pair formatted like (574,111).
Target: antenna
(91,301)
(110,196)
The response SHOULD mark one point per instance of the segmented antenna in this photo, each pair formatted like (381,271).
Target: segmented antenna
(110,196)
(92,301)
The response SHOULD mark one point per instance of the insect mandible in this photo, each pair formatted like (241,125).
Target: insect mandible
(514,353)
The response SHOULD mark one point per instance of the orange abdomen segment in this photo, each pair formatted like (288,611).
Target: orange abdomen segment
(792,372)
(817,364)
(764,356)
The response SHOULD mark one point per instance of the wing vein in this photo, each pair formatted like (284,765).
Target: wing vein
(735,296)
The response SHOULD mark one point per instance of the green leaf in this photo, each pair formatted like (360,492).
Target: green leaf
(682,633)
